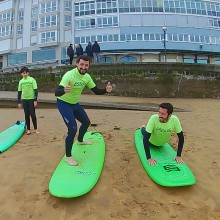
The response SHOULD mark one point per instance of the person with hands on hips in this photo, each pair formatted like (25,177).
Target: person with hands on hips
(68,94)
(159,130)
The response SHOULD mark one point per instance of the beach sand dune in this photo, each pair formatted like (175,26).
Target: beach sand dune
(124,190)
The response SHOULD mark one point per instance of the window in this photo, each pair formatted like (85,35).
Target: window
(92,22)
(67,20)
(20,16)
(20,29)
(146,37)
(47,37)
(100,22)
(8,16)
(64,56)
(106,6)
(107,21)
(217,62)
(215,23)
(128,59)
(186,37)
(18,58)
(122,37)
(99,38)
(203,61)
(188,60)
(106,60)
(83,40)
(48,21)
(115,37)
(213,40)
(34,12)
(5,31)
(175,37)
(40,55)
(48,6)
(84,8)
(213,8)
(67,6)
(33,26)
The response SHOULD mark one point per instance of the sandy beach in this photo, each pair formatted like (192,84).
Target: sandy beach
(124,190)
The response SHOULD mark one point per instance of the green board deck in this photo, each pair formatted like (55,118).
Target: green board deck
(166,172)
(11,135)
(73,181)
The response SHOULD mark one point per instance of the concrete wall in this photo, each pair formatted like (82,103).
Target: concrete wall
(135,79)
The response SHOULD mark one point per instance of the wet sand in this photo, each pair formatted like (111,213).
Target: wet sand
(124,190)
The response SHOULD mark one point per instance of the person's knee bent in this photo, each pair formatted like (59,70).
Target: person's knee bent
(86,123)
(72,132)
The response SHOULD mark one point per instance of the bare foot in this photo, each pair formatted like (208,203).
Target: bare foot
(28,132)
(85,143)
(37,131)
(71,162)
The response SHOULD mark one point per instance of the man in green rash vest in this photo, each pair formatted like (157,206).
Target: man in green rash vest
(159,129)
(27,97)
(68,94)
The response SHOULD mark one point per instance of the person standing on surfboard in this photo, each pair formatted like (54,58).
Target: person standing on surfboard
(159,129)
(28,92)
(68,94)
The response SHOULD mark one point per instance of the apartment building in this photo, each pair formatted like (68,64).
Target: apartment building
(37,32)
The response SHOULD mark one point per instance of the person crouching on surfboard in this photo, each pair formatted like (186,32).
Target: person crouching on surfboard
(159,129)
(68,94)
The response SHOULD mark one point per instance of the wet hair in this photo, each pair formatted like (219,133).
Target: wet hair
(82,57)
(24,69)
(168,107)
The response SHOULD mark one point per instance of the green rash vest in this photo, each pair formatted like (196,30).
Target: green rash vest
(77,83)
(161,132)
(27,86)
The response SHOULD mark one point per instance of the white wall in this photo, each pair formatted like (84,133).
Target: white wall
(5,45)
(6,5)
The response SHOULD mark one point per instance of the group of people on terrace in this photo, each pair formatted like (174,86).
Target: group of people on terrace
(91,50)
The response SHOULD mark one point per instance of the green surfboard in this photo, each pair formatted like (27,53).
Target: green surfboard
(73,181)
(166,172)
(11,135)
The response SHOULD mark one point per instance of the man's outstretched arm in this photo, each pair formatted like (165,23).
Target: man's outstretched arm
(146,137)
(180,147)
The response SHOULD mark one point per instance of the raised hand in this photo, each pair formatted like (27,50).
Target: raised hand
(108,87)
(67,89)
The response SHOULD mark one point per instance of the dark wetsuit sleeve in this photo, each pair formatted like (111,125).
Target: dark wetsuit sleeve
(146,137)
(19,97)
(59,91)
(180,143)
(35,94)
(98,91)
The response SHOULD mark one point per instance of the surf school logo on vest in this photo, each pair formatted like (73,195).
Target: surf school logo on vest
(79,84)
(162,130)
(85,173)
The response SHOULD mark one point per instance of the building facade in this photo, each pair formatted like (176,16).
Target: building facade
(35,32)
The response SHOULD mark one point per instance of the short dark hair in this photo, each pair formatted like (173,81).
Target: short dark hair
(167,106)
(24,69)
(82,57)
